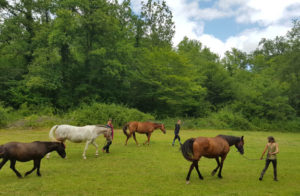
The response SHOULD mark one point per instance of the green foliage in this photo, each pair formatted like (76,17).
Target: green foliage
(59,54)
(228,119)
(99,113)
(3,116)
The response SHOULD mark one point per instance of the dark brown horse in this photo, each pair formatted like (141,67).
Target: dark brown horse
(143,128)
(16,151)
(194,148)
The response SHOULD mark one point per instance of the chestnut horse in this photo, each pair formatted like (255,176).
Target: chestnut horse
(215,147)
(142,127)
(16,151)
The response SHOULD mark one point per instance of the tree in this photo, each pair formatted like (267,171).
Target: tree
(158,24)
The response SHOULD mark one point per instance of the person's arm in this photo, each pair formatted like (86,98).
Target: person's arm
(264,152)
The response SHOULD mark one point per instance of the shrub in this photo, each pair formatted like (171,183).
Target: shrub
(99,113)
(226,118)
(3,116)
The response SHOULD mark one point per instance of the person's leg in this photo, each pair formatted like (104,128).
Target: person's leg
(265,169)
(107,146)
(179,140)
(274,162)
(174,140)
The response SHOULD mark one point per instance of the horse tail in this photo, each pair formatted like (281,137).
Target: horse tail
(125,128)
(51,133)
(187,149)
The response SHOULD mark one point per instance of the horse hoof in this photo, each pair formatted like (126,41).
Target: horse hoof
(220,177)
(213,173)
(187,182)
(201,178)
(84,158)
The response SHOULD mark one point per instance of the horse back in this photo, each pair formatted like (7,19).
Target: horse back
(24,151)
(145,127)
(210,147)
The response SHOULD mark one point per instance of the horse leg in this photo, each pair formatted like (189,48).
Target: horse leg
(189,173)
(37,163)
(135,138)
(221,166)
(197,169)
(149,135)
(148,138)
(3,162)
(128,138)
(216,169)
(96,146)
(86,147)
(34,167)
(12,166)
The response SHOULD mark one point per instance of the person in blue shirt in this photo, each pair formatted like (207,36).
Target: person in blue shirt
(176,132)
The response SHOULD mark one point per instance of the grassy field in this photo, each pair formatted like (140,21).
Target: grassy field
(158,169)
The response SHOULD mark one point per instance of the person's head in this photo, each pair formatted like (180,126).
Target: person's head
(271,139)
(179,122)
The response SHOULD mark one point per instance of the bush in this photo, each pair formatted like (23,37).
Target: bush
(99,113)
(266,125)
(3,116)
(225,118)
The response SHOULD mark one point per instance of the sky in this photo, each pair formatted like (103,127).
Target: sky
(224,24)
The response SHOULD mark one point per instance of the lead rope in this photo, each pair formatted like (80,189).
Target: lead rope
(251,159)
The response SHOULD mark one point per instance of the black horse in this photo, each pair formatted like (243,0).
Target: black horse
(16,151)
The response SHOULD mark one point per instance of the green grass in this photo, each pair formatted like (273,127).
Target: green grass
(158,169)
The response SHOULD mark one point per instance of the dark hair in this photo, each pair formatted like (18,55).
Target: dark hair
(271,139)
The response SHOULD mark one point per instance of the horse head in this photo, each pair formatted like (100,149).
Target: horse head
(107,134)
(162,128)
(61,149)
(240,145)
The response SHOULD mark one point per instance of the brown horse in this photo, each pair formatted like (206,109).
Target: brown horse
(16,151)
(142,127)
(194,148)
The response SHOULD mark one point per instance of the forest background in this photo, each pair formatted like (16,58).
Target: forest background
(83,61)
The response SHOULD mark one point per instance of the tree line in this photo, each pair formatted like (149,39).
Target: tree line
(63,53)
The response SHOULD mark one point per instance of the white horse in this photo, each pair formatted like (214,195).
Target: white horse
(75,134)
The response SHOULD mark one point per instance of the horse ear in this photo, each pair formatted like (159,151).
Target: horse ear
(242,138)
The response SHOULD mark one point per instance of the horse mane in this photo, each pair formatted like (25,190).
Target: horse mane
(101,125)
(157,125)
(230,139)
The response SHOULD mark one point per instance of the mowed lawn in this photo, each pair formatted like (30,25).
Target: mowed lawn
(158,169)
